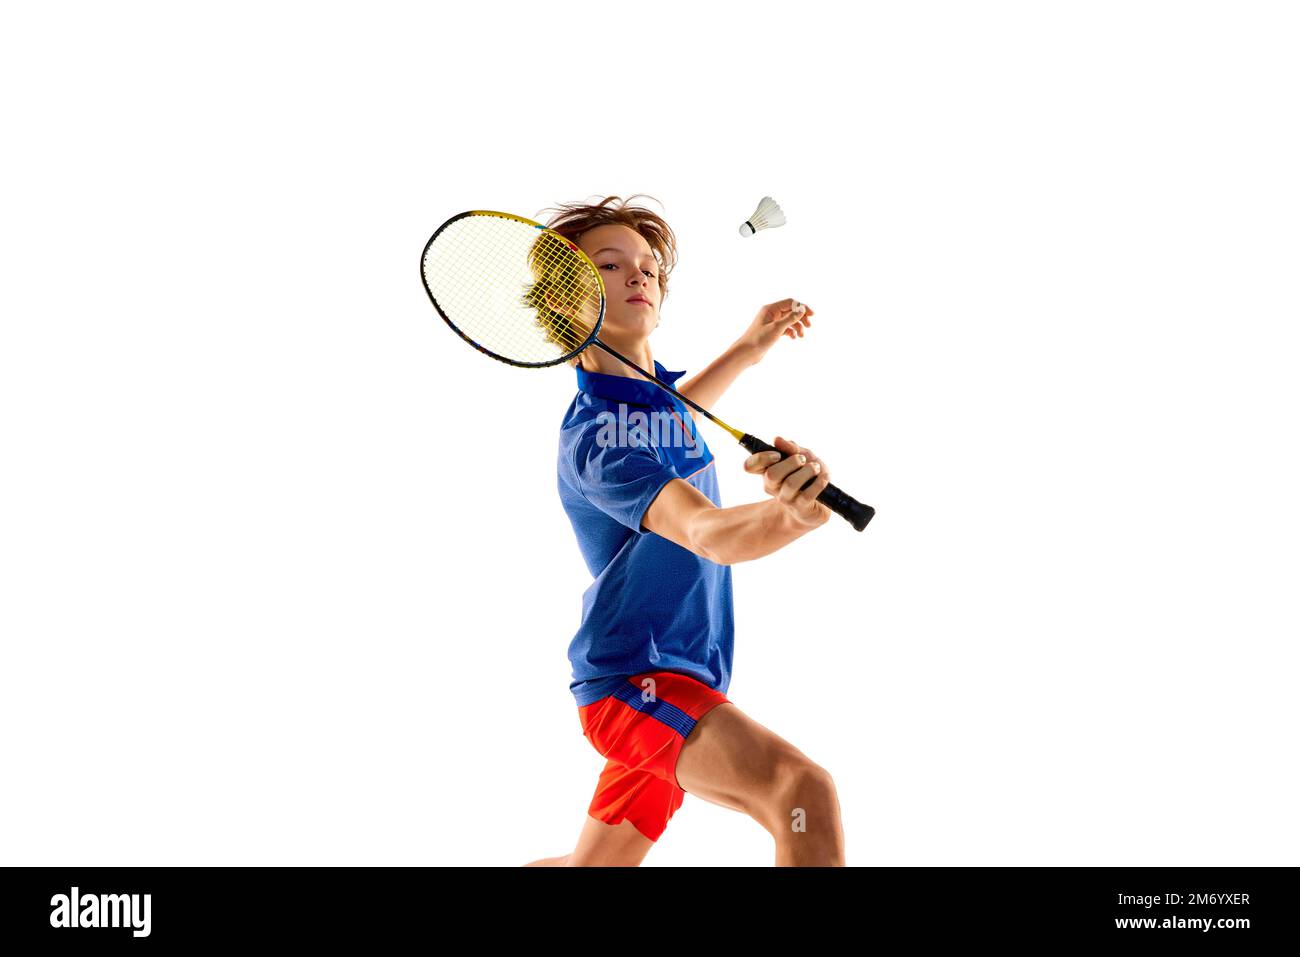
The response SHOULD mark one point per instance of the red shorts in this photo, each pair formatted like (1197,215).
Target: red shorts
(641,729)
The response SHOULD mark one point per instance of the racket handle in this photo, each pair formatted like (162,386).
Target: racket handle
(841,503)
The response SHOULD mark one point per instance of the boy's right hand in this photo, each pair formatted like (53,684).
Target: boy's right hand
(784,478)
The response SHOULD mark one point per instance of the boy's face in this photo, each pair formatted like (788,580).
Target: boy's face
(630,273)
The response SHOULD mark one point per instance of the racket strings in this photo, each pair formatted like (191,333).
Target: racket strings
(561,290)
(521,293)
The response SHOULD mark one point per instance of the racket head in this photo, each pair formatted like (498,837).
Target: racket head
(512,288)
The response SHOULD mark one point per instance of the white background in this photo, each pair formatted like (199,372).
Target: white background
(285,574)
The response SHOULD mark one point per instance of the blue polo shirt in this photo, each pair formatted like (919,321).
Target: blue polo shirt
(653,606)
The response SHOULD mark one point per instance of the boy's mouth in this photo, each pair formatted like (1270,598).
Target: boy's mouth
(640,299)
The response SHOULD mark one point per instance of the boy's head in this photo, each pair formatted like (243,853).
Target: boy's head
(633,249)
(573,220)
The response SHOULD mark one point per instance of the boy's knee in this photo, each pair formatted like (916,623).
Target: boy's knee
(801,783)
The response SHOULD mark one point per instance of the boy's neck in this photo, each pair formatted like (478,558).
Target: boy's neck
(596,359)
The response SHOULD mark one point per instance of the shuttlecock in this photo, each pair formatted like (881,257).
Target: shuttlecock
(767,216)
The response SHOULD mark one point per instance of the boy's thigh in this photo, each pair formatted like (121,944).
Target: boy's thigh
(732,760)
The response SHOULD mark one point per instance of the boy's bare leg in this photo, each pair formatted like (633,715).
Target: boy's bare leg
(609,845)
(603,845)
(732,760)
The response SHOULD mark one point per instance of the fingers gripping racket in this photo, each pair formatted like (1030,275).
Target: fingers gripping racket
(524,294)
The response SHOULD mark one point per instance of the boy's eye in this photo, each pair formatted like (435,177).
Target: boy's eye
(648,272)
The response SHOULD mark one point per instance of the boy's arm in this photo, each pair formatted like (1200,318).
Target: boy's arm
(772,321)
(683,514)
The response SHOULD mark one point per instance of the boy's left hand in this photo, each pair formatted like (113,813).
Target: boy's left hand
(775,320)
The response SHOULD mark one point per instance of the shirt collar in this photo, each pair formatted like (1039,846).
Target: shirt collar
(629,388)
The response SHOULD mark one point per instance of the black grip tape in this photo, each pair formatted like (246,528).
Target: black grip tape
(839,502)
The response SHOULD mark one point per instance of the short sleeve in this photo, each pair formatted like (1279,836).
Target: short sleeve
(620,479)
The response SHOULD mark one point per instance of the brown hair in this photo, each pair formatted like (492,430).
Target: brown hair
(571,220)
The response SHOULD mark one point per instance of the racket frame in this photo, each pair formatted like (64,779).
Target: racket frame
(595,328)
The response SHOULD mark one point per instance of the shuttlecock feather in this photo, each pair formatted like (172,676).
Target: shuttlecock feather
(767,216)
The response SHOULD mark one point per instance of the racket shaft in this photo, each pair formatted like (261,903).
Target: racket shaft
(841,503)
